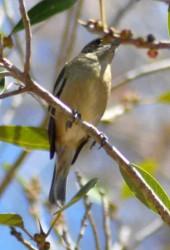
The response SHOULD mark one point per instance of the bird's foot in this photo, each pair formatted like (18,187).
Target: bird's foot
(76,115)
(104,139)
(93,144)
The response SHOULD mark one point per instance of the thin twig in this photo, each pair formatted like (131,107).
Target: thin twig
(87,203)
(140,72)
(1,46)
(125,36)
(122,12)
(26,23)
(61,230)
(29,235)
(21,90)
(17,38)
(64,39)
(4,74)
(66,240)
(148,230)
(11,172)
(83,225)
(103,13)
(53,224)
(19,237)
(106,221)
(73,34)
(69,35)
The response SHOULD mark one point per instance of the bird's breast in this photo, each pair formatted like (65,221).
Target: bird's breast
(86,91)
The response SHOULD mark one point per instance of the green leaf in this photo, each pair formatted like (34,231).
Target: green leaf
(126,193)
(44,10)
(165,98)
(2,81)
(2,84)
(30,138)
(11,220)
(147,165)
(169,20)
(80,194)
(152,183)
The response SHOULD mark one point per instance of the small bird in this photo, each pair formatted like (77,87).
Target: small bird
(84,85)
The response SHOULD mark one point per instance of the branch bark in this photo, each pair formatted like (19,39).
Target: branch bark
(15,92)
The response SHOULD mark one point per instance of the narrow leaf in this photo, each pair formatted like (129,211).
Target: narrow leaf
(30,138)
(2,84)
(149,166)
(126,192)
(80,194)
(153,184)
(165,98)
(169,20)
(11,220)
(44,10)
(2,81)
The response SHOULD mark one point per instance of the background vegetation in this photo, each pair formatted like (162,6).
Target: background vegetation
(137,122)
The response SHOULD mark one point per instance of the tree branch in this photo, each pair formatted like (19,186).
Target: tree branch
(66,240)
(140,72)
(1,46)
(103,13)
(21,90)
(26,23)
(19,237)
(125,36)
(148,230)
(106,221)
(4,74)
(93,132)
(11,172)
(83,225)
(87,203)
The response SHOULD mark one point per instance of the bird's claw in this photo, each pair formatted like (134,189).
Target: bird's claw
(104,139)
(93,144)
(76,115)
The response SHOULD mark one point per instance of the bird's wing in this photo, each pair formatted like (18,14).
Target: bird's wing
(58,88)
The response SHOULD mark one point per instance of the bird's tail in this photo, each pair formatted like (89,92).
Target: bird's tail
(58,187)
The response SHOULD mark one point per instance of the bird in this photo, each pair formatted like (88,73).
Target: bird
(84,85)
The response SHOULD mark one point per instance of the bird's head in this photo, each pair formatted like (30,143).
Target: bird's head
(101,48)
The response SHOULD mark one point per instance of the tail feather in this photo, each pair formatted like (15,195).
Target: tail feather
(58,189)
(61,169)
